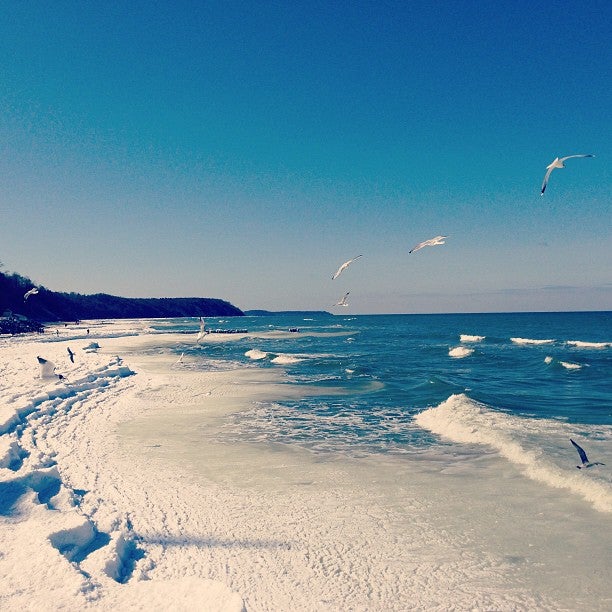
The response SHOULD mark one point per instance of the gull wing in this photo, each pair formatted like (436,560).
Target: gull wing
(419,246)
(570,157)
(430,242)
(545,182)
(344,266)
(581,452)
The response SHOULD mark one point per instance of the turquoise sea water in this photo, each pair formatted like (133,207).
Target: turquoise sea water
(519,385)
(459,424)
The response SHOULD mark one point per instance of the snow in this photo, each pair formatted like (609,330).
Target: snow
(66,537)
(122,487)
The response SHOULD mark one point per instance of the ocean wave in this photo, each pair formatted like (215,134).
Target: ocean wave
(469,338)
(570,366)
(565,364)
(539,447)
(530,341)
(256,354)
(458,352)
(593,345)
(287,359)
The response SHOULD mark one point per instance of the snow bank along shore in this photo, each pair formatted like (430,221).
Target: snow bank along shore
(123,488)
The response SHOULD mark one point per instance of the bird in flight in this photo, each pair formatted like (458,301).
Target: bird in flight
(70,354)
(32,291)
(557,163)
(431,242)
(344,266)
(583,457)
(202,331)
(343,301)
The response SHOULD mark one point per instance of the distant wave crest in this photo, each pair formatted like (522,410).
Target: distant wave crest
(458,352)
(469,338)
(287,359)
(594,345)
(530,341)
(570,366)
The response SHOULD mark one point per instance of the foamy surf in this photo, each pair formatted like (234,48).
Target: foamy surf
(459,352)
(568,365)
(539,447)
(469,338)
(256,354)
(286,359)
(528,341)
(589,345)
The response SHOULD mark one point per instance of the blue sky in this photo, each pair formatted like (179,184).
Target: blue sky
(244,150)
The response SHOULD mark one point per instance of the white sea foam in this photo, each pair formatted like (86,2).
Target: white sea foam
(459,352)
(589,345)
(570,366)
(531,444)
(469,338)
(256,354)
(566,364)
(530,341)
(284,359)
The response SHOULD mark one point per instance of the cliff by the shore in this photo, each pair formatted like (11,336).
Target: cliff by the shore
(50,306)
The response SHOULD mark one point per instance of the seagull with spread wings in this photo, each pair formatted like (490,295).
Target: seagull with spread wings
(343,301)
(431,242)
(344,266)
(32,291)
(557,163)
(583,457)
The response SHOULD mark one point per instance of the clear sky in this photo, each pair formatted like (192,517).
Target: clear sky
(244,150)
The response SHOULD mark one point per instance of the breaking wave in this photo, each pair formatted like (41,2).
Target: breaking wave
(539,447)
(530,341)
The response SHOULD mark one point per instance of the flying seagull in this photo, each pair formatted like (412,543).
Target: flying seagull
(585,460)
(432,242)
(343,301)
(32,291)
(557,163)
(70,354)
(202,332)
(344,266)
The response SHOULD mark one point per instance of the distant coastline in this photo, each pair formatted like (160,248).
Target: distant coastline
(48,306)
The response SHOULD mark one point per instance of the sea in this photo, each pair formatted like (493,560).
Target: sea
(517,385)
(527,371)
(469,415)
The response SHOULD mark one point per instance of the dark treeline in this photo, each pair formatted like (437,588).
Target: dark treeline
(51,306)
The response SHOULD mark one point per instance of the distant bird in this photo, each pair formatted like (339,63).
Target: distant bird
(432,242)
(343,301)
(32,291)
(344,266)
(202,332)
(585,460)
(557,163)
(70,354)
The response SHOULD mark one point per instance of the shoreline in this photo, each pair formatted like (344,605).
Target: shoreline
(154,505)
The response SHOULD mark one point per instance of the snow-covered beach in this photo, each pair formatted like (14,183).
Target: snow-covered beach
(121,487)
